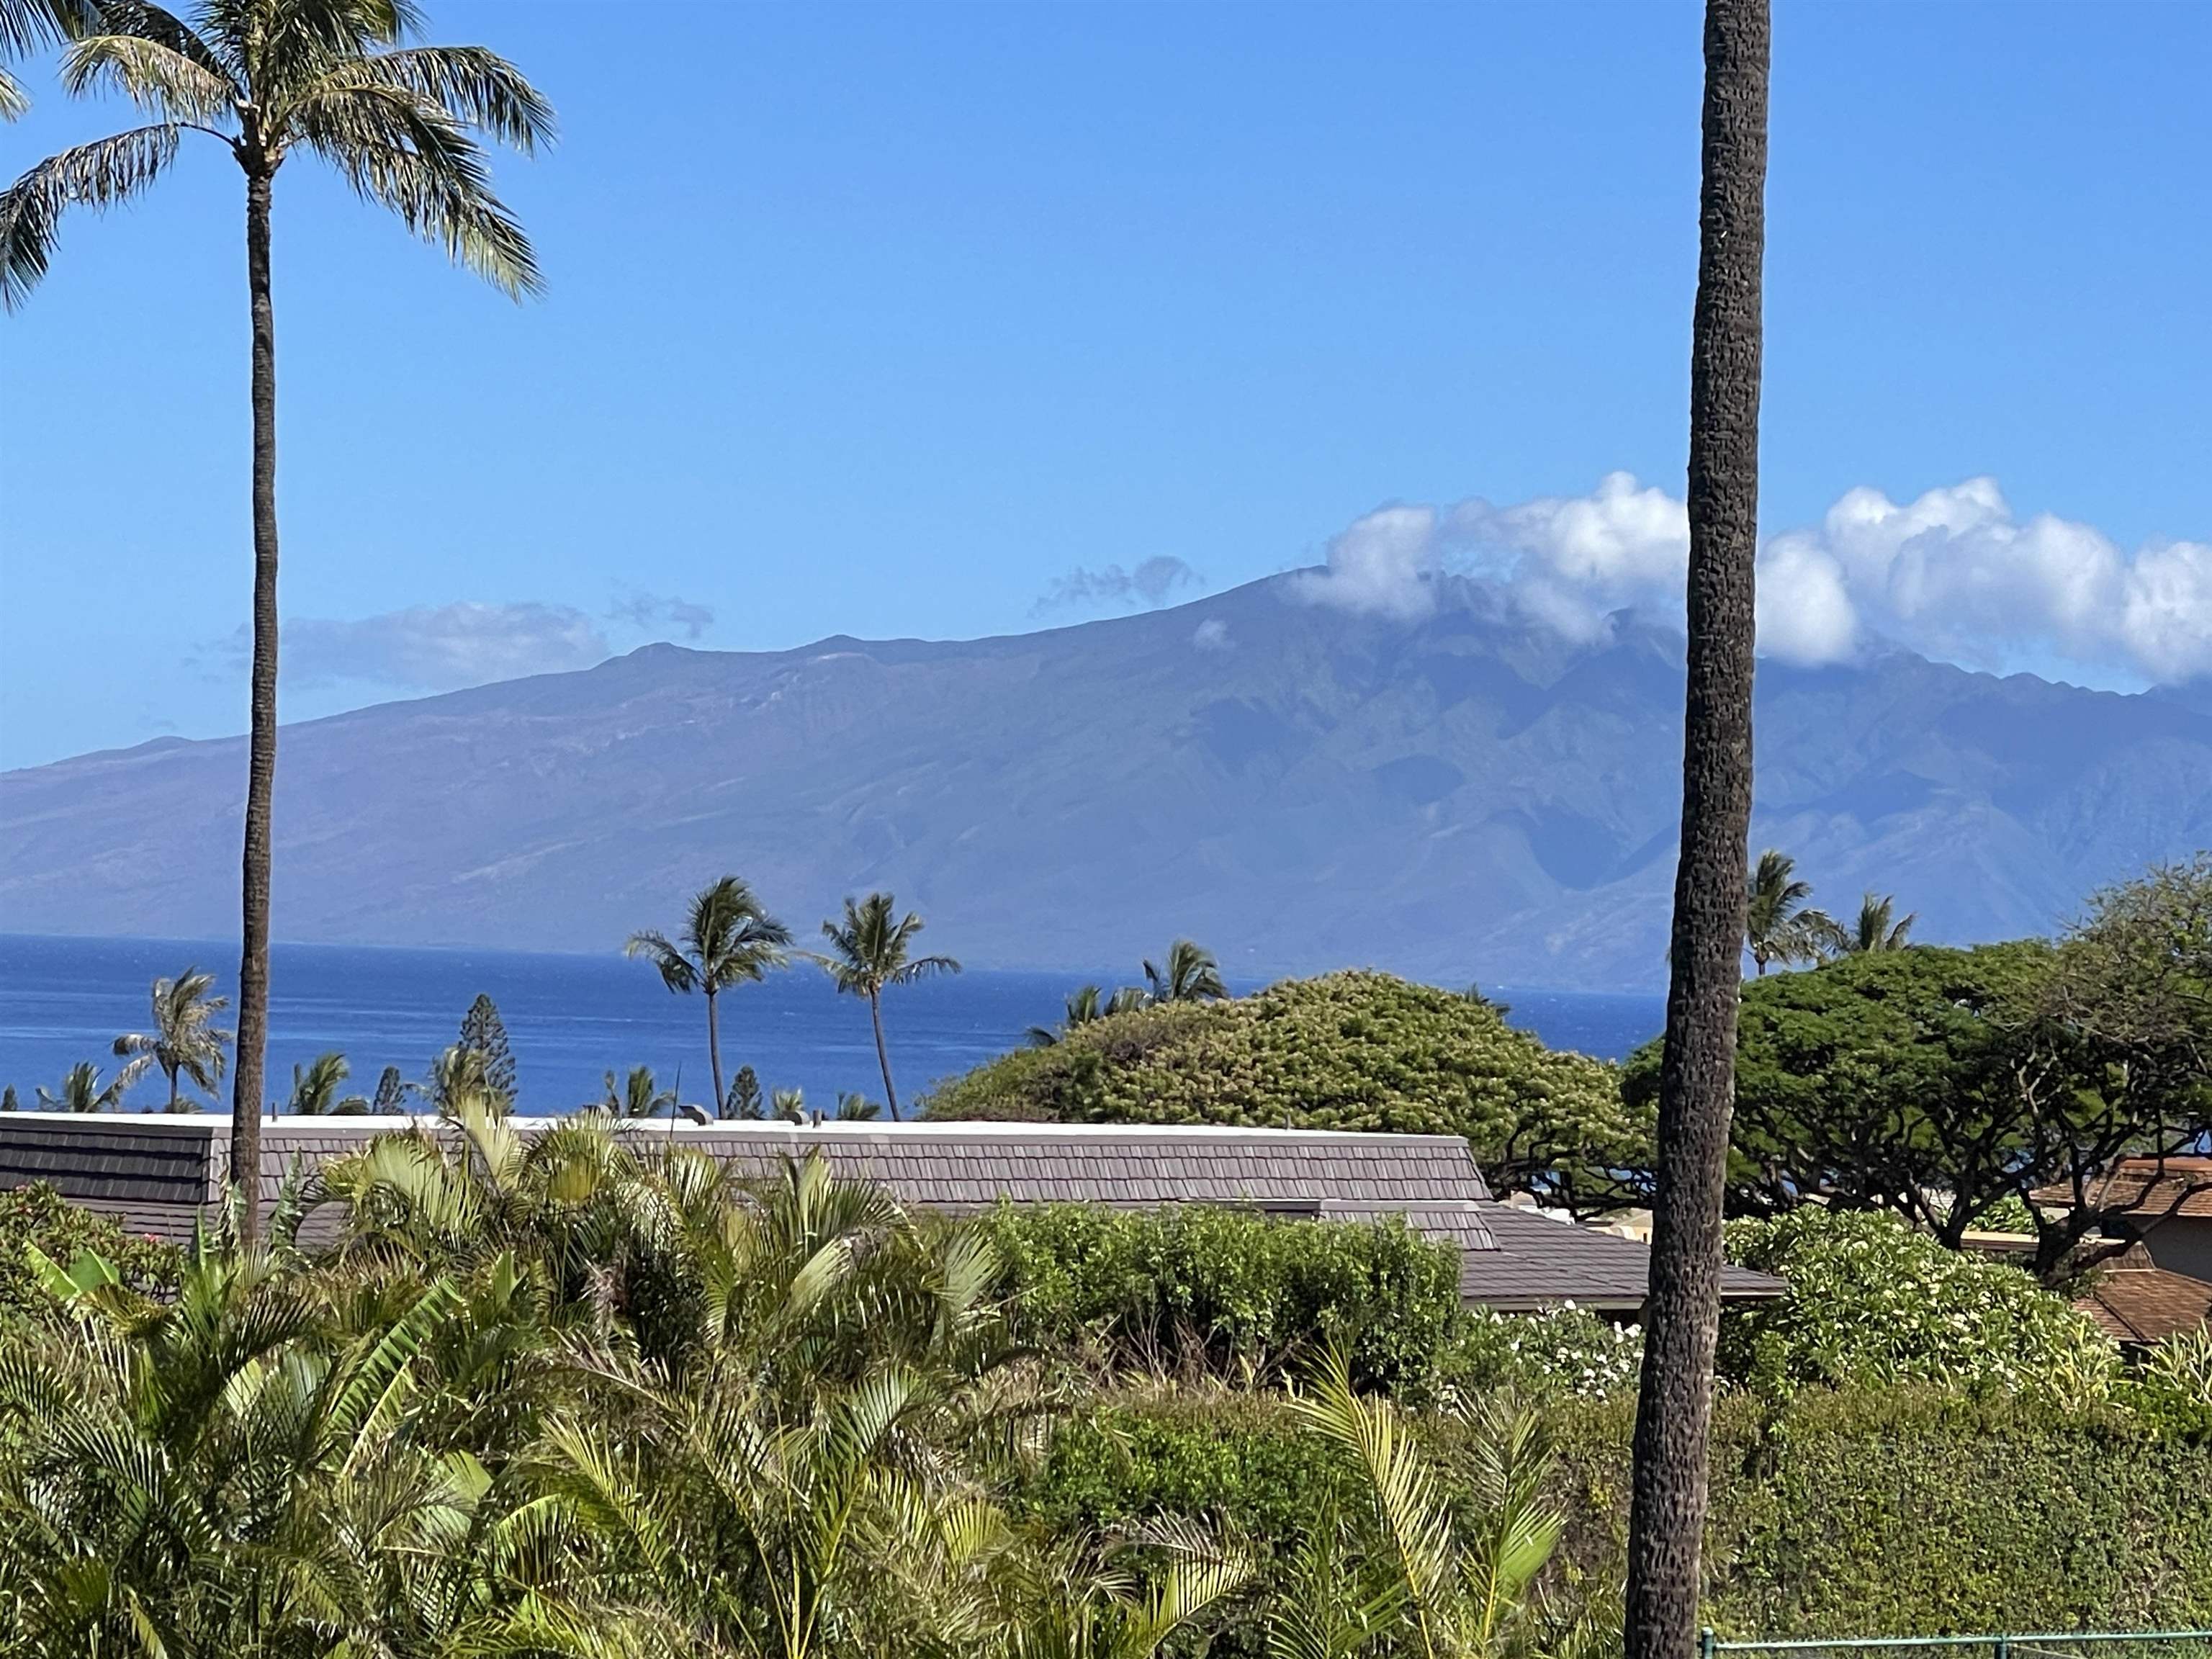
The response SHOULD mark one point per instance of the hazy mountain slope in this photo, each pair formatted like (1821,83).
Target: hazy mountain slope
(1460,798)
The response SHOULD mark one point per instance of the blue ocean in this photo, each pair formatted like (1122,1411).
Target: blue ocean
(570,1019)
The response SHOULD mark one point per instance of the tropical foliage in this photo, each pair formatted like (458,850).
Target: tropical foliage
(1348,1051)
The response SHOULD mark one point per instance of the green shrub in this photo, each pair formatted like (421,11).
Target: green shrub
(1230,1293)
(2172,1391)
(1872,1302)
(1359,1051)
(1566,1350)
(36,1215)
(1899,1512)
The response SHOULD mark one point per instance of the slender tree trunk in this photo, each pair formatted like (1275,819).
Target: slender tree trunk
(715,1050)
(172,1092)
(1697,1084)
(883,1053)
(261,744)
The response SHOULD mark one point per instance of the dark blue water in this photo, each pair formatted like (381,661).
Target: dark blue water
(572,1019)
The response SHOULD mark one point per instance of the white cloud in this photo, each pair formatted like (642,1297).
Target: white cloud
(1573,561)
(435,647)
(1953,574)
(1151,583)
(1381,565)
(1212,634)
(648,613)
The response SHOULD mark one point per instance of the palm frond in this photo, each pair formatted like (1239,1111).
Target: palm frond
(401,150)
(96,175)
(477,85)
(158,78)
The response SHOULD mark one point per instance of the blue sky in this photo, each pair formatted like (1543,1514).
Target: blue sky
(906,321)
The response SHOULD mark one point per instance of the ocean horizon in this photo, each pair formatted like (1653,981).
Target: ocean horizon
(571,1018)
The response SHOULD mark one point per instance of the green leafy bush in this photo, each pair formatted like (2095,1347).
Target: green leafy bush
(2173,1392)
(1362,1051)
(1228,1293)
(1872,1303)
(36,1215)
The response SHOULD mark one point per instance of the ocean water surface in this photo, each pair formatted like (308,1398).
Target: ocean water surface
(572,1019)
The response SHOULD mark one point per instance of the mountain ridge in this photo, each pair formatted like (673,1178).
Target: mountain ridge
(1460,797)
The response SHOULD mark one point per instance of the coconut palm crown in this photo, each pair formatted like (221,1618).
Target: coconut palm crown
(1877,927)
(870,951)
(184,1043)
(728,938)
(1191,975)
(1777,925)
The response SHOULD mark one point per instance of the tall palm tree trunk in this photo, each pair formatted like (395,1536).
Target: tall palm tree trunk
(883,1053)
(1697,1084)
(715,1050)
(261,764)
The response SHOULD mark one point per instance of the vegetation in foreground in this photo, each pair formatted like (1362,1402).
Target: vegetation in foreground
(583,1393)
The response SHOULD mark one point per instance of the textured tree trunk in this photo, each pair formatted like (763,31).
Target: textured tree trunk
(715,1050)
(261,745)
(1697,1083)
(883,1053)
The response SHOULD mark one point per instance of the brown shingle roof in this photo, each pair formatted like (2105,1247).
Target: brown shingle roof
(2154,1189)
(2135,1300)
(156,1175)
(1541,1261)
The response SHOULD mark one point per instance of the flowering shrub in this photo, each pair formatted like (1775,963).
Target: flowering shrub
(38,1215)
(1564,1350)
(1872,1303)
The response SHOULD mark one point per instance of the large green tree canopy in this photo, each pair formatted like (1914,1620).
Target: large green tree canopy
(1938,1083)
(1353,1050)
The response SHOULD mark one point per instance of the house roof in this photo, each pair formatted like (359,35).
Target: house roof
(2135,1300)
(1543,1260)
(156,1174)
(2155,1189)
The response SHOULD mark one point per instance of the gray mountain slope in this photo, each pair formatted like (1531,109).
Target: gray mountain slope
(1459,799)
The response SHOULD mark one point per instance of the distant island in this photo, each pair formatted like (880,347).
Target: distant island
(1454,798)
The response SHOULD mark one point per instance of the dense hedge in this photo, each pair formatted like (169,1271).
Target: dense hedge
(1346,1051)
(1898,1512)
(36,1215)
(1230,1294)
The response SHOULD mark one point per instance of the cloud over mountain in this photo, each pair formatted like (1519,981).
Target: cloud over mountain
(435,647)
(1954,574)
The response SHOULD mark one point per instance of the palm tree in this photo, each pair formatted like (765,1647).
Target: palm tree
(268,78)
(1875,929)
(1697,1079)
(639,1096)
(1191,975)
(315,1089)
(1777,926)
(82,1091)
(868,954)
(1085,1004)
(184,1040)
(728,939)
